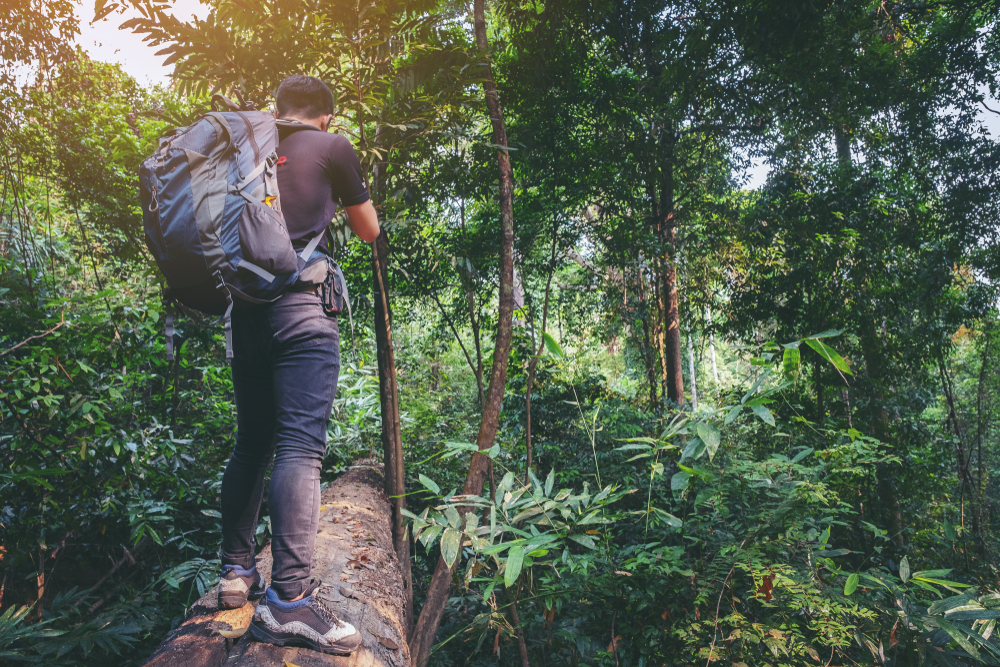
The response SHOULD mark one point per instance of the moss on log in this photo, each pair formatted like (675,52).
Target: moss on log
(361,579)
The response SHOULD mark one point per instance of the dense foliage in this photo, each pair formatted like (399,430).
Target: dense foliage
(748,427)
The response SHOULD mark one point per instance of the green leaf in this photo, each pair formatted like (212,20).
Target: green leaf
(515,557)
(829,354)
(212,513)
(454,518)
(973,615)
(949,531)
(585,540)
(829,333)
(801,455)
(552,346)
(764,414)
(960,635)
(833,553)
(904,570)
(852,584)
(694,449)
(944,582)
(791,360)
(429,483)
(450,542)
(679,481)
(671,520)
(428,536)
(710,436)
(489,591)
(733,414)
(549,481)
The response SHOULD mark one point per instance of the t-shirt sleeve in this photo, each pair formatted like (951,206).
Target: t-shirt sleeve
(344,168)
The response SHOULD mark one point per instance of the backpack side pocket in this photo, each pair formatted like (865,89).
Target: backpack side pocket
(264,239)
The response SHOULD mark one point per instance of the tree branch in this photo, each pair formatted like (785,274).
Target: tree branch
(28,340)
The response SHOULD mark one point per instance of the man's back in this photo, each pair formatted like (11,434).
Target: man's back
(316,172)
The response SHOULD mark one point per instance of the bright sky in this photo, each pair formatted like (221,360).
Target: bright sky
(105,42)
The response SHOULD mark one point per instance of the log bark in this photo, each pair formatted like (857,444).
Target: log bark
(356,560)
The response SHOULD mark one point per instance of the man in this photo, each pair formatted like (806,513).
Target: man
(286,359)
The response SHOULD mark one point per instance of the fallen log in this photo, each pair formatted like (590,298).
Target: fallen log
(361,579)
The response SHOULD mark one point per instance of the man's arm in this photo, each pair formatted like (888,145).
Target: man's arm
(363,220)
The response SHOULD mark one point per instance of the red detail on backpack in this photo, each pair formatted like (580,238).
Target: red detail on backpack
(282,160)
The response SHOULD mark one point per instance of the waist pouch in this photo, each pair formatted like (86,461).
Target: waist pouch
(333,290)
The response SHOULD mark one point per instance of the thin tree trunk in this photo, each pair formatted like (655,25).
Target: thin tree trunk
(646,345)
(880,430)
(522,647)
(473,321)
(533,364)
(422,637)
(392,440)
(667,224)
(694,381)
(818,381)
(658,332)
(711,344)
(40,581)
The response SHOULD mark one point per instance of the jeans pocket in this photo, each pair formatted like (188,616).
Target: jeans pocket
(264,240)
(299,322)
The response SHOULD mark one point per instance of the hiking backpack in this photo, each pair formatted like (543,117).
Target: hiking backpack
(212,217)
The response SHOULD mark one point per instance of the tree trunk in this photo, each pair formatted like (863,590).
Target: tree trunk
(694,381)
(372,599)
(711,344)
(422,637)
(646,344)
(533,364)
(392,440)
(667,227)
(522,646)
(880,430)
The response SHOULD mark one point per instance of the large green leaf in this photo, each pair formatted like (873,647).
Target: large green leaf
(429,535)
(904,570)
(680,481)
(429,483)
(710,436)
(585,540)
(960,635)
(852,583)
(764,414)
(515,557)
(791,360)
(450,543)
(829,354)
(552,346)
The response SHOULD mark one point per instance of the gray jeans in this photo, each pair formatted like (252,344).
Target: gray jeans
(286,359)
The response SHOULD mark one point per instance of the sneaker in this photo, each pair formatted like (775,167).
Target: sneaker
(307,622)
(239,585)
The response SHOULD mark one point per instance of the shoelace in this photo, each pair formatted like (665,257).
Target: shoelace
(324,611)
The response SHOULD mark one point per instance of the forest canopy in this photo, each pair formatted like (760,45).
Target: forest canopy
(633,410)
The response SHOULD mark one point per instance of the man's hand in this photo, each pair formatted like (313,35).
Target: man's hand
(363,220)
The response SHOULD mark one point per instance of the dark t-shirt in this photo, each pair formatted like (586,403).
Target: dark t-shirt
(316,172)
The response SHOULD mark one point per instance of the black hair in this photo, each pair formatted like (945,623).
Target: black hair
(304,96)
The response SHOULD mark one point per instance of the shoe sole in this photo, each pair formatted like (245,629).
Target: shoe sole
(262,634)
(236,600)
